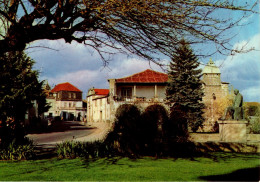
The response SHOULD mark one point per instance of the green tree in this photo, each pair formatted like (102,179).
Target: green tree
(184,86)
(19,86)
(142,27)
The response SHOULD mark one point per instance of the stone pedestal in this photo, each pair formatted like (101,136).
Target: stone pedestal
(232,130)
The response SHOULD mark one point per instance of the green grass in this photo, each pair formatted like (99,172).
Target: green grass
(218,166)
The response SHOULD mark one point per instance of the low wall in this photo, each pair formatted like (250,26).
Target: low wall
(247,147)
(204,137)
(211,142)
(214,137)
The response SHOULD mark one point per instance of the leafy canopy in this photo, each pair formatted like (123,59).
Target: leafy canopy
(19,86)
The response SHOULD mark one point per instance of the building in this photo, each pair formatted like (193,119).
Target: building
(216,93)
(148,88)
(214,88)
(98,106)
(66,102)
(143,89)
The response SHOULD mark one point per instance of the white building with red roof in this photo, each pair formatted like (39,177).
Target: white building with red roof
(98,107)
(144,89)
(149,88)
(66,102)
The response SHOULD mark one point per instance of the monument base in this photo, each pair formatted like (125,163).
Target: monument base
(232,130)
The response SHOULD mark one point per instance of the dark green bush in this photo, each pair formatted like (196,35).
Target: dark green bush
(125,134)
(178,125)
(155,121)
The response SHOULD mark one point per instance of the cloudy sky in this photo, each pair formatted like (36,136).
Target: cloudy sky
(83,67)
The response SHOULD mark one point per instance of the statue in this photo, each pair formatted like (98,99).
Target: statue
(236,109)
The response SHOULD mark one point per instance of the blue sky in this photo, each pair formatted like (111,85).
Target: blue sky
(83,67)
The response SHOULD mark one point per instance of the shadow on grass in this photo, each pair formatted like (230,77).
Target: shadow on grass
(227,156)
(248,174)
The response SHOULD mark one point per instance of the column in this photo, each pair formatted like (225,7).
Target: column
(134,91)
(155,92)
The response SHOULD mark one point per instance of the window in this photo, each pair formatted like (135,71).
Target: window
(74,95)
(126,92)
(69,95)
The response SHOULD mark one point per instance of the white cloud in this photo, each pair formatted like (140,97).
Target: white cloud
(252,93)
(243,70)
(83,67)
(81,79)
(131,66)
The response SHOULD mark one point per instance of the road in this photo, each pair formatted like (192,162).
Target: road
(62,131)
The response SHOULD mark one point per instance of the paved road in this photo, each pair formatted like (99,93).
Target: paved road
(62,131)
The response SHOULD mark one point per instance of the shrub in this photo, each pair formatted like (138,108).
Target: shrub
(252,110)
(178,125)
(252,114)
(88,150)
(254,124)
(125,134)
(155,124)
(17,151)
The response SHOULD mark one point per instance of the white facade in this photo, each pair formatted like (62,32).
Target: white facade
(66,103)
(98,106)
(68,110)
(143,93)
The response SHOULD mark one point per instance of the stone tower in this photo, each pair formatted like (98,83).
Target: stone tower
(215,91)
(213,87)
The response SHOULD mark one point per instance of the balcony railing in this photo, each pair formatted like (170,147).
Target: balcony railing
(138,99)
(72,108)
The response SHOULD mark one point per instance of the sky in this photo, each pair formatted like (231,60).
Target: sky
(83,67)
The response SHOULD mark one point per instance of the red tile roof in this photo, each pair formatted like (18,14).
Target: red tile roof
(65,87)
(101,91)
(147,76)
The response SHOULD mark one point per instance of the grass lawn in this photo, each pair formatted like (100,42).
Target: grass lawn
(217,166)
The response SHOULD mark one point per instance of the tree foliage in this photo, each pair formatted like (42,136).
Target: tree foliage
(142,27)
(185,87)
(19,86)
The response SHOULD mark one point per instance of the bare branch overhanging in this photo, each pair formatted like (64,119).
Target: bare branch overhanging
(141,27)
